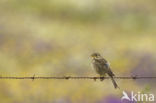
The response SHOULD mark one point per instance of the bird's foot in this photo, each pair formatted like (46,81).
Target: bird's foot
(102,78)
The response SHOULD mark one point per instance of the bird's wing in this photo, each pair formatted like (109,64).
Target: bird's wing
(110,73)
(107,67)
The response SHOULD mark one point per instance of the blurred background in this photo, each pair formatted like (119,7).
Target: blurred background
(56,38)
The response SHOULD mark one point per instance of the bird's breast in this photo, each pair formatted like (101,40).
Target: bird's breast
(99,68)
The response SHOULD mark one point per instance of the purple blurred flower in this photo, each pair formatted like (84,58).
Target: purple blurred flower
(145,67)
(42,46)
(114,99)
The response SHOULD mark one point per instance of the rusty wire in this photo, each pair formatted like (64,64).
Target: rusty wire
(74,77)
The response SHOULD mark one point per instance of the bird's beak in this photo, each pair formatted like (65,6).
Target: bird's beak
(93,56)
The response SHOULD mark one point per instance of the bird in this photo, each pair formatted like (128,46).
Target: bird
(102,68)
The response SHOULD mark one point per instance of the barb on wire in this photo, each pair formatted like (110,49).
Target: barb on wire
(74,77)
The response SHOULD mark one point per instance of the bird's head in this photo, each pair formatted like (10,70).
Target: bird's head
(95,55)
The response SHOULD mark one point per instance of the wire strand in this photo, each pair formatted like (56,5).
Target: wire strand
(74,77)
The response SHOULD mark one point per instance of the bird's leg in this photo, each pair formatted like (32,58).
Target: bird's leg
(102,77)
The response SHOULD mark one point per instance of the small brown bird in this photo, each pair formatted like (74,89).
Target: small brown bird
(102,67)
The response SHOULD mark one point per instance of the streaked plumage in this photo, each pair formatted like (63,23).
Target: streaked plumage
(102,67)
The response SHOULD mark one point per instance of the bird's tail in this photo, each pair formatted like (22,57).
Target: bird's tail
(114,83)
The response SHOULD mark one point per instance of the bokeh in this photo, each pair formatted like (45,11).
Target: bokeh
(56,38)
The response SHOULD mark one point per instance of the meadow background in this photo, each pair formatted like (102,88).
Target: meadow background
(56,38)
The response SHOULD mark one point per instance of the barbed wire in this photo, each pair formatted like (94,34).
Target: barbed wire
(74,77)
